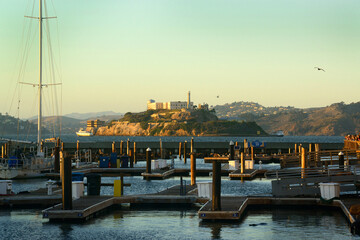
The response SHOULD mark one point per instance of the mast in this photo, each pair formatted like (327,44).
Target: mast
(40,78)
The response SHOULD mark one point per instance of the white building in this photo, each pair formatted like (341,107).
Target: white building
(151,104)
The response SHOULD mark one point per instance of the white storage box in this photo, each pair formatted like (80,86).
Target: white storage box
(5,187)
(234,165)
(204,189)
(249,164)
(154,164)
(77,189)
(162,163)
(329,190)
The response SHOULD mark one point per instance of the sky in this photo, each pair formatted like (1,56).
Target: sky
(117,54)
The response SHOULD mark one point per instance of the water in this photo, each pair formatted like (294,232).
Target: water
(167,224)
(126,223)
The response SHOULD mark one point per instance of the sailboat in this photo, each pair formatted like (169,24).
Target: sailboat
(21,165)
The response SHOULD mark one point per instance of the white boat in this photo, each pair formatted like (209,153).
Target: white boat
(278,133)
(84,133)
(29,165)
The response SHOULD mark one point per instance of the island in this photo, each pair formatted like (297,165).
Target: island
(177,122)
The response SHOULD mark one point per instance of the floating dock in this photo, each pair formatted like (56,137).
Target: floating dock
(247,174)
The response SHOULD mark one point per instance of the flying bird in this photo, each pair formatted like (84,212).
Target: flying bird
(218,96)
(320,69)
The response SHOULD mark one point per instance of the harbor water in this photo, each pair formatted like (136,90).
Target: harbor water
(178,223)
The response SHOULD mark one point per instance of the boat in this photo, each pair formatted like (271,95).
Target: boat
(278,133)
(84,133)
(19,164)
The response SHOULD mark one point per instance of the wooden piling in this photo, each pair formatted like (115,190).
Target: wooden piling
(216,186)
(77,149)
(242,162)
(121,147)
(310,147)
(245,146)
(113,149)
(232,154)
(66,183)
(252,153)
(2,151)
(295,149)
(57,158)
(161,149)
(130,158)
(180,150)
(192,145)
(148,160)
(127,147)
(303,162)
(185,152)
(193,168)
(134,157)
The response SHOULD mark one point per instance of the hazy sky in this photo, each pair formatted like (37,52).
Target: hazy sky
(117,54)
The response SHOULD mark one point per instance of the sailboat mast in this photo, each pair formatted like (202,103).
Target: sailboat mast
(40,77)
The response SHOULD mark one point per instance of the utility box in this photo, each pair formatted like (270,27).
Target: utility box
(234,165)
(329,190)
(77,189)
(249,164)
(154,164)
(204,189)
(5,187)
(162,163)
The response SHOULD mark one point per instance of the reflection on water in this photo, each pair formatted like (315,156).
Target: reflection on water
(125,223)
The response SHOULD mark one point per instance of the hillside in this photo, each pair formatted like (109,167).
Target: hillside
(11,125)
(177,123)
(68,125)
(336,119)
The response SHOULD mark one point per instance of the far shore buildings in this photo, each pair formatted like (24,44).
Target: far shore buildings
(151,104)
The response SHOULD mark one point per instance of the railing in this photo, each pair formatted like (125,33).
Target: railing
(319,158)
(312,172)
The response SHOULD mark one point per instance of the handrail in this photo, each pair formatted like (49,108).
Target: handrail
(313,172)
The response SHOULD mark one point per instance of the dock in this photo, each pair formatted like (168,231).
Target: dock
(158,174)
(233,208)
(88,206)
(247,174)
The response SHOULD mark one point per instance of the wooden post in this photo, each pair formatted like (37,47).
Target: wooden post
(216,186)
(77,149)
(310,147)
(66,183)
(2,151)
(127,147)
(179,150)
(130,158)
(232,155)
(317,156)
(134,157)
(295,151)
(192,145)
(185,152)
(148,160)
(245,146)
(289,150)
(113,149)
(62,147)
(303,162)
(122,185)
(193,168)
(57,158)
(252,153)
(242,163)
(161,149)
(121,147)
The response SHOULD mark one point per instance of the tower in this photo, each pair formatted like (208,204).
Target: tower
(188,101)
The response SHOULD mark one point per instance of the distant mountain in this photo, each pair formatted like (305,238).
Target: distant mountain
(11,125)
(93,115)
(336,119)
(68,125)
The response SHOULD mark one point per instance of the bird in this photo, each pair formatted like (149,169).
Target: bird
(217,96)
(320,69)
